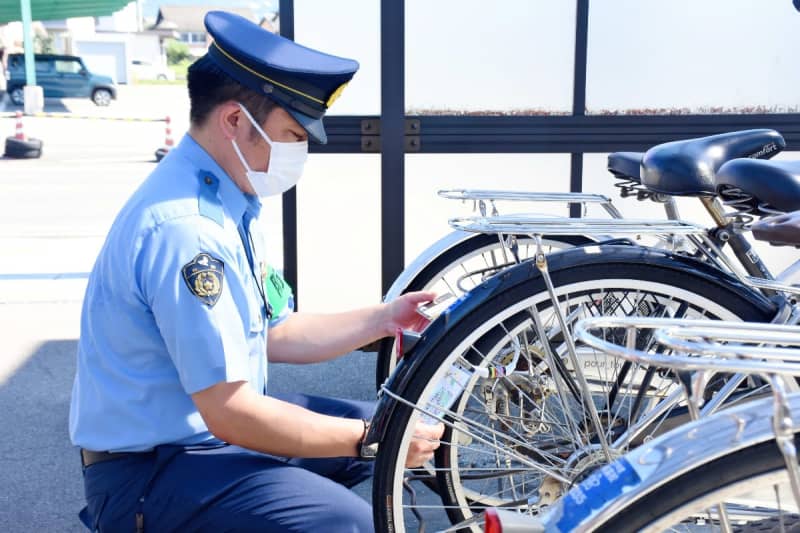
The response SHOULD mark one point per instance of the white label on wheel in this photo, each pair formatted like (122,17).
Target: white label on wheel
(446,393)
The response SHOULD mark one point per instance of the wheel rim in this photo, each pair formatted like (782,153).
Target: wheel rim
(771,491)
(17,96)
(566,463)
(102,98)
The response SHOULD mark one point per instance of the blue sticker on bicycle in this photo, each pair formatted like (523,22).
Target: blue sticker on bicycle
(602,486)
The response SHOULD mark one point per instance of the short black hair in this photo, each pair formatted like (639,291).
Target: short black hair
(209,87)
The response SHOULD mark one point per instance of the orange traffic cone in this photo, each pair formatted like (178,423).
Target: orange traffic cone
(18,133)
(168,142)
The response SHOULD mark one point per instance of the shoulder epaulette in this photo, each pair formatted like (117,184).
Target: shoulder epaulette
(208,201)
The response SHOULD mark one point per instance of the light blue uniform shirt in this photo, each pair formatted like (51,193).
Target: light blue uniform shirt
(171,308)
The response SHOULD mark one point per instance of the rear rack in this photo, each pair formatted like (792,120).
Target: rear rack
(521,224)
(536,225)
(480,196)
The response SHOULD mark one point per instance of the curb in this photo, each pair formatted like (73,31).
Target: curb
(83,117)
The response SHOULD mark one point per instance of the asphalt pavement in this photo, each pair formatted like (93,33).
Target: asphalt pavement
(54,213)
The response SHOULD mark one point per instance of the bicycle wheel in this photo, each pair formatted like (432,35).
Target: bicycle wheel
(751,484)
(728,461)
(521,440)
(736,482)
(463,267)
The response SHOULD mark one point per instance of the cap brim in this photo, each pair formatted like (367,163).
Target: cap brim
(313,126)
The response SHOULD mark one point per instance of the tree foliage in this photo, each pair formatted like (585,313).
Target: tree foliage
(177,52)
(43,44)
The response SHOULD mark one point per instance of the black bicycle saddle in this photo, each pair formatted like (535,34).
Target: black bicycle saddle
(687,168)
(625,165)
(752,184)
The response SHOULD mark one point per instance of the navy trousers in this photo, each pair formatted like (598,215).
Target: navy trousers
(226,488)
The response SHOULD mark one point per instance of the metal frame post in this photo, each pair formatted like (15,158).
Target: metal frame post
(27,40)
(289,199)
(392,142)
(579,95)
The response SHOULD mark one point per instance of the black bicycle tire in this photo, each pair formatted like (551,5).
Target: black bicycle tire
(731,468)
(462,249)
(726,296)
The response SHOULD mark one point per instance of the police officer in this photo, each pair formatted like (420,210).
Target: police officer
(169,405)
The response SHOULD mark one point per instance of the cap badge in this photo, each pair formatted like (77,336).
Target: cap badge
(336,94)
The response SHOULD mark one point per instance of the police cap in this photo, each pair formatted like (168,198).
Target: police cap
(305,82)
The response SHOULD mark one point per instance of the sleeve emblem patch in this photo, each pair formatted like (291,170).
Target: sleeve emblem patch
(203,275)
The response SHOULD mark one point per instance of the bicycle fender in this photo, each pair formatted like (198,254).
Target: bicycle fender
(591,503)
(436,250)
(526,272)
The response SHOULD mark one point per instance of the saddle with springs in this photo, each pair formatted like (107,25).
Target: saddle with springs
(689,167)
(760,187)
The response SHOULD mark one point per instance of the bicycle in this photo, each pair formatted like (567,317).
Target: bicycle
(717,473)
(461,260)
(711,481)
(483,369)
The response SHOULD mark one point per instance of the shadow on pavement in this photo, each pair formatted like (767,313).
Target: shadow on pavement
(55,105)
(51,105)
(41,486)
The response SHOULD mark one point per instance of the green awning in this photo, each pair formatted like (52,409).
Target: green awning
(10,10)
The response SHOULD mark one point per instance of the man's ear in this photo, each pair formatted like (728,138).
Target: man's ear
(229,119)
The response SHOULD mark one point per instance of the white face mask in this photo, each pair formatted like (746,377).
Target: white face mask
(286,162)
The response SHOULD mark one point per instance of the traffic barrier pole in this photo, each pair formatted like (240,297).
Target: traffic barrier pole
(18,133)
(168,142)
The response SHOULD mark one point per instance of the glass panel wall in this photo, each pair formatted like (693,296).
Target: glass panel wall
(489,58)
(684,56)
(348,28)
(339,232)
(427,214)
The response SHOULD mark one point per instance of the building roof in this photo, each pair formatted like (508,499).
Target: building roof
(190,18)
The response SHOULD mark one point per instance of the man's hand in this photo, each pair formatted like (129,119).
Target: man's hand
(423,443)
(402,312)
